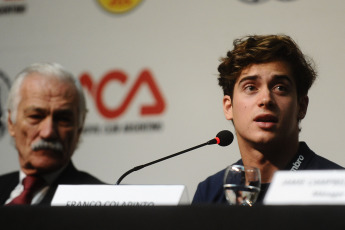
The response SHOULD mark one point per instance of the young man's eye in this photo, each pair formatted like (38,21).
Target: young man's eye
(249,88)
(281,88)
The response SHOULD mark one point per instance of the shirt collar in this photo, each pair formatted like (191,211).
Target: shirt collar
(49,177)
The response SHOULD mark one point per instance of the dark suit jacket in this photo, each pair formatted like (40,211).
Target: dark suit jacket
(69,176)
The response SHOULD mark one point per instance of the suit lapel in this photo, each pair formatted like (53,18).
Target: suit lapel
(66,177)
(7,183)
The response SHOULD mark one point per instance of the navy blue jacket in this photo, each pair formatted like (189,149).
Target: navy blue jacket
(211,189)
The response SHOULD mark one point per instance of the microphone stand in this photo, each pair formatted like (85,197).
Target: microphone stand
(213,141)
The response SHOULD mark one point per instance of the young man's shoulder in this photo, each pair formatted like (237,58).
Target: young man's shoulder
(319,162)
(316,161)
(211,189)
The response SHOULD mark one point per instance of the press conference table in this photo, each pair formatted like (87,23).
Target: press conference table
(174,217)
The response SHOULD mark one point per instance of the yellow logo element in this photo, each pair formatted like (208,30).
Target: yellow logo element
(119,6)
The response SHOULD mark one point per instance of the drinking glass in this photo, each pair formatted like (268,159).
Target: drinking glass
(242,184)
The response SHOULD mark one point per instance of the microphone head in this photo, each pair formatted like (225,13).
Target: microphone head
(225,138)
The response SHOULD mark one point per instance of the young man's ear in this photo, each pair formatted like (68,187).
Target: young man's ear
(227,107)
(303,106)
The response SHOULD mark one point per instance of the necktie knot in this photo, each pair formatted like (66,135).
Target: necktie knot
(32,183)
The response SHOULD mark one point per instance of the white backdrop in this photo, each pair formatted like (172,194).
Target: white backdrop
(180,43)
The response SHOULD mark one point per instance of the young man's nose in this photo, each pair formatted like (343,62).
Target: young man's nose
(265,97)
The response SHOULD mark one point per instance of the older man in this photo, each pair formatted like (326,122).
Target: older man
(46,113)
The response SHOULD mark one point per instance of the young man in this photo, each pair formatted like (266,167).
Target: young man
(46,113)
(265,80)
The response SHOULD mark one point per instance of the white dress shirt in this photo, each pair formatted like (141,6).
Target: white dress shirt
(39,195)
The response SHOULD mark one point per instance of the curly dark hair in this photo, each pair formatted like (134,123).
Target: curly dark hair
(256,49)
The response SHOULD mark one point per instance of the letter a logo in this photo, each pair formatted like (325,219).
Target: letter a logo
(145,78)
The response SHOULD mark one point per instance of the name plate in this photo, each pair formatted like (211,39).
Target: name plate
(307,187)
(120,195)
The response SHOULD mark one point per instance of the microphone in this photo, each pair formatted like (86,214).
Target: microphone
(223,138)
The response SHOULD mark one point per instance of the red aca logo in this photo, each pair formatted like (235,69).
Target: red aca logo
(144,78)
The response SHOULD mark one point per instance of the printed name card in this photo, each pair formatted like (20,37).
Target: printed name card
(307,187)
(120,195)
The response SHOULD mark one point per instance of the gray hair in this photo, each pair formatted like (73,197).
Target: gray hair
(48,70)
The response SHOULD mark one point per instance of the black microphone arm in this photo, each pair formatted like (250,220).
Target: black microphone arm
(223,138)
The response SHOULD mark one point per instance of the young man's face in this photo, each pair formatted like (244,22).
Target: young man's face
(265,108)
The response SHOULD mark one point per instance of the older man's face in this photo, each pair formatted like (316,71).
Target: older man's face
(46,128)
